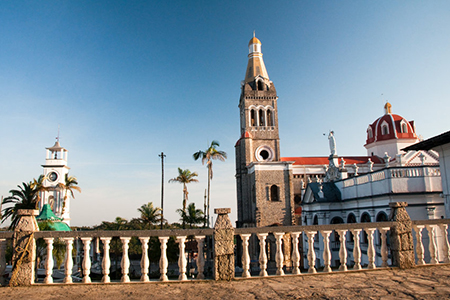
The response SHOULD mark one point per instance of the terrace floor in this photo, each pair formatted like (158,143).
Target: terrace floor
(429,282)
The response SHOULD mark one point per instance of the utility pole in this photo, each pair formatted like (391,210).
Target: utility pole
(162,187)
(204,211)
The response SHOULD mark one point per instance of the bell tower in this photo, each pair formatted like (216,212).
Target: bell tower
(55,172)
(263,182)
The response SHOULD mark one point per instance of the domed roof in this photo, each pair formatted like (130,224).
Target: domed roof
(254,40)
(390,126)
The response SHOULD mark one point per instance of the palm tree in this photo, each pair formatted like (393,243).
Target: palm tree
(149,214)
(69,185)
(185,177)
(26,197)
(38,186)
(207,156)
(192,216)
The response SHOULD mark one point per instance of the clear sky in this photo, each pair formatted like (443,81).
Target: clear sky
(126,80)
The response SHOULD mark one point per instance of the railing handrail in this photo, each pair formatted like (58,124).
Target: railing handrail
(209,231)
(125,233)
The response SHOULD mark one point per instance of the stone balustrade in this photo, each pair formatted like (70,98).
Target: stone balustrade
(263,251)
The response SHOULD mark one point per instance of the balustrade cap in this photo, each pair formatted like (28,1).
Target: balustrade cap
(398,204)
(27,212)
(222,211)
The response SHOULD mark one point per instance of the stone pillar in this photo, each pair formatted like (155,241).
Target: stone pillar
(223,245)
(402,246)
(24,248)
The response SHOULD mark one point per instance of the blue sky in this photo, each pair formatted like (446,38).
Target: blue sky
(126,80)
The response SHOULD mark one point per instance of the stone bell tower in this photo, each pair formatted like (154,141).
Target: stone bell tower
(264,182)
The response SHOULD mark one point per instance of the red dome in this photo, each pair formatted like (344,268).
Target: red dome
(390,126)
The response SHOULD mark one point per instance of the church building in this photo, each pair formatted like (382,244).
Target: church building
(272,190)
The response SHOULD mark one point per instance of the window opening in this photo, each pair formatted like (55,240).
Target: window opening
(262,121)
(273,192)
(252,118)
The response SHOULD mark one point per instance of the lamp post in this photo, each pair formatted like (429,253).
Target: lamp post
(162,187)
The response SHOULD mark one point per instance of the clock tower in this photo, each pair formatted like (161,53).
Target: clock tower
(264,182)
(55,172)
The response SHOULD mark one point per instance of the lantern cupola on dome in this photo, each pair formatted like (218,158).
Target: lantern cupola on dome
(390,133)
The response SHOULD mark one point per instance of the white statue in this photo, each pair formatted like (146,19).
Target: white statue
(332,142)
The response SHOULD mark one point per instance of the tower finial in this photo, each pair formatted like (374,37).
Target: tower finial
(57,138)
(387,108)
(253,33)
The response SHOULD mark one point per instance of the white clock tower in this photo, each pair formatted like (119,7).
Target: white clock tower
(55,172)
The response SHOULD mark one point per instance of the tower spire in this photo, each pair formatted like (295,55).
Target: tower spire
(255,66)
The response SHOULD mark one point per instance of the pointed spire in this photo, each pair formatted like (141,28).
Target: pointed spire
(255,64)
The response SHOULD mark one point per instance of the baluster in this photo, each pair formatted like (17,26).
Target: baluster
(432,245)
(311,252)
(125,264)
(342,249)
(356,249)
(262,254)
(68,264)
(384,248)
(295,253)
(326,250)
(279,254)
(106,262)
(144,259)
(419,244)
(2,260)
(370,248)
(200,257)
(86,259)
(245,255)
(163,264)
(181,240)
(445,245)
(49,261)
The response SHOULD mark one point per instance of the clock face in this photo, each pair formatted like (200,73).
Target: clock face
(52,176)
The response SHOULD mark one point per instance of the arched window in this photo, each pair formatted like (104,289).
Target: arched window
(382,217)
(350,220)
(269,118)
(274,193)
(316,222)
(260,85)
(365,218)
(384,130)
(404,128)
(370,133)
(252,118)
(336,220)
(262,119)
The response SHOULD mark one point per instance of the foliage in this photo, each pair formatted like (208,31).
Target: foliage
(185,177)
(69,185)
(26,197)
(59,246)
(149,215)
(207,156)
(191,216)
